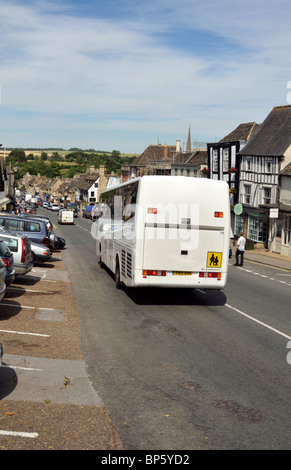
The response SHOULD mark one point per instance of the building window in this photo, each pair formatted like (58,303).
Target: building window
(268,166)
(215,160)
(225,157)
(257,229)
(247,194)
(266,195)
(238,224)
(248,165)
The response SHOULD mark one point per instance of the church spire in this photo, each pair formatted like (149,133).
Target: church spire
(188,148)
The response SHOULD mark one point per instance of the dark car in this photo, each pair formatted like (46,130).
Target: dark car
(87,211)
(1,354)
(7,258)
(36,230)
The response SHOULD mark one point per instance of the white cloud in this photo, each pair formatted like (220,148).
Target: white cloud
(124,74)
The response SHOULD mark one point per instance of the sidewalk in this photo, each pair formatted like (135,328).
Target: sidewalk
(268,258)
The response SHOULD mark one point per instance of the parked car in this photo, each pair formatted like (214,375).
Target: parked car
(40,253)
(20,247)
(87,211)
(56,242)
(55,207)
(36,230)
(7,258)
(2,279)
(60,242)
(44,204)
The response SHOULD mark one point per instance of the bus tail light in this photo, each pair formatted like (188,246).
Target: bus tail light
(152,210)
(218,214)
(210,274)
(153,272)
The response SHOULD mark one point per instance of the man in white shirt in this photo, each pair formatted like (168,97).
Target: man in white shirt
(241,244)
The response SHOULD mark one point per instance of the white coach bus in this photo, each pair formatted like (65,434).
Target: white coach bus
(165,231)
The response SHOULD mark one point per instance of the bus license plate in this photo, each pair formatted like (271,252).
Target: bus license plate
(182,273)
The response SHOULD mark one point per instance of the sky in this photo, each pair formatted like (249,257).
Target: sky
(126,74)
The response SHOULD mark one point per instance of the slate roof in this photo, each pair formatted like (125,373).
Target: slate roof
(274,135)
(154,153)
(85,182)
(242,132)
(196,157)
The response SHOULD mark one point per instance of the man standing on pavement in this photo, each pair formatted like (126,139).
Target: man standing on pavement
(241,244)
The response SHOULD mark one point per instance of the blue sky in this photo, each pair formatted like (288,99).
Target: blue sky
(124,74)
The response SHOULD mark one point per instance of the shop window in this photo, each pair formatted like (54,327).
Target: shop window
(257,229)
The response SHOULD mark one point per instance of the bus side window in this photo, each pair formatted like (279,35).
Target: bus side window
(129,197)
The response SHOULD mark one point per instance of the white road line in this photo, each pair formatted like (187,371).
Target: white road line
(32,435)
(11,366)
(258,321)
(266,277)
(24,333)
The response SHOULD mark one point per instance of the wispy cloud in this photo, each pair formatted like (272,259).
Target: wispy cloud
(118,74)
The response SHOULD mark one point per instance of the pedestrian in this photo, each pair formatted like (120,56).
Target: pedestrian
(239,255)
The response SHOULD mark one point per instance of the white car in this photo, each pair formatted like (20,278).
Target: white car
(55,207)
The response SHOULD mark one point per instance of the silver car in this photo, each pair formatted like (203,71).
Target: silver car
(40,253)
(20,247)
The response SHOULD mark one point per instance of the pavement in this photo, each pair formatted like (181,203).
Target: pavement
(267,258)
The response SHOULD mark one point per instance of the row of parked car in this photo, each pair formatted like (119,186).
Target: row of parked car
(24,240)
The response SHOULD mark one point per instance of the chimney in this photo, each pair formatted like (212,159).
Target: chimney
(166,151)
(178,145)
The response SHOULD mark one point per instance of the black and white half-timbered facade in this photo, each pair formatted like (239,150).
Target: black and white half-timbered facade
(261,162)
(223,161)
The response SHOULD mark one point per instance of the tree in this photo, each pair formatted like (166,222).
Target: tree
(17,156)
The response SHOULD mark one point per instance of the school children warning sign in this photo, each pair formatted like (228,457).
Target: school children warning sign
(214,259)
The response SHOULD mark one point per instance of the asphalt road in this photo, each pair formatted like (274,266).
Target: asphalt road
(186,370)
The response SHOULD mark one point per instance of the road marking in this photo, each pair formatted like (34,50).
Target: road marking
(31,435)
(266,277)
(24,333)
(258,321)
(11,366)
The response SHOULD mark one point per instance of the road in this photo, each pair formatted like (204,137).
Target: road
(186,370)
